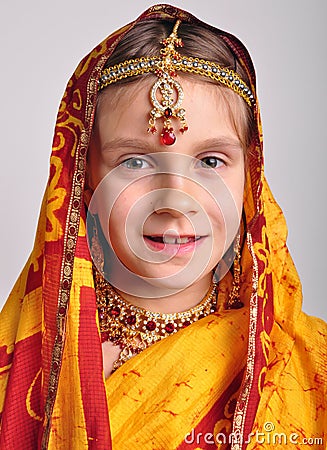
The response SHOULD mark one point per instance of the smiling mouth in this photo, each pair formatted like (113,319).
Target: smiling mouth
(171,240)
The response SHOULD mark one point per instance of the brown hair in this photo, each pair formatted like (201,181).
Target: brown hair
(144,40)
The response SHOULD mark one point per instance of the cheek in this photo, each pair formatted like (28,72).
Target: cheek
(125,217)
(226,203)
(227,220)
(119,213)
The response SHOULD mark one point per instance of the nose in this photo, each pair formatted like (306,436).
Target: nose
(175,202)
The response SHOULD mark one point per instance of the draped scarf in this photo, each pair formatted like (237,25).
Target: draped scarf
(234,371)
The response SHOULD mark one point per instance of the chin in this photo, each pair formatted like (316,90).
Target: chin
(178,281)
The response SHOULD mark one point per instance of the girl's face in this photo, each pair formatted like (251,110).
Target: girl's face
(169,212)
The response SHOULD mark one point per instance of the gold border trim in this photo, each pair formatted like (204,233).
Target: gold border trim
(243,400)
(70,241)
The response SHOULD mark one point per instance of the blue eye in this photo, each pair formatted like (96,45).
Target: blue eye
(211,162)
(135,163)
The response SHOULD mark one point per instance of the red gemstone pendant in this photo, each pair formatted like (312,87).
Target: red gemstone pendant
(168,137)
(131,320)
(104,336)
(152,129)
(115,311)
(151,325)
(183,129)
(168,113)
(169,328)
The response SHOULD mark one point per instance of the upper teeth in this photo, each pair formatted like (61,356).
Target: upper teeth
(172,240)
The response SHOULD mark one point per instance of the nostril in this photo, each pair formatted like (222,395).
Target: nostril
(173,211)
(174,202)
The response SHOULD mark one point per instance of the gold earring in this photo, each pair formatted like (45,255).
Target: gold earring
(234,301)
(96,249)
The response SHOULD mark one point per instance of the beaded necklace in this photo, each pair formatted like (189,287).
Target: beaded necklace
(133,328)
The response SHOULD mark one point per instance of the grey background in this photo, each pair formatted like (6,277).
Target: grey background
(42,43)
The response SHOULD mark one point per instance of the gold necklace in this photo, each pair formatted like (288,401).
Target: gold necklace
(134,328)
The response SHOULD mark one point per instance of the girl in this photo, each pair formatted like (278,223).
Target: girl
(160,308)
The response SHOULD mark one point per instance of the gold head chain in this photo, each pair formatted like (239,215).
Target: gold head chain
(168,103)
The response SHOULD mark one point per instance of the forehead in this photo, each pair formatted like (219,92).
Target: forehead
(123,110)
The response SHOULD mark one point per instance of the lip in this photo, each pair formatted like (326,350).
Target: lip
(174,249)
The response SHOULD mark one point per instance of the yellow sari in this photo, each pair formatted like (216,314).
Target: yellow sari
(249,378)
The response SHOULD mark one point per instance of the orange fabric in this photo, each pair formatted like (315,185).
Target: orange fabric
(52,391)
(188,381)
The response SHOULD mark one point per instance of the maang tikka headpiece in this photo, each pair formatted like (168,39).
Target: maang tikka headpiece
(167,103)
(168,106)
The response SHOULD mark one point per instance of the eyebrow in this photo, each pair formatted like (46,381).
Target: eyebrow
(136,144)
(223,142)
